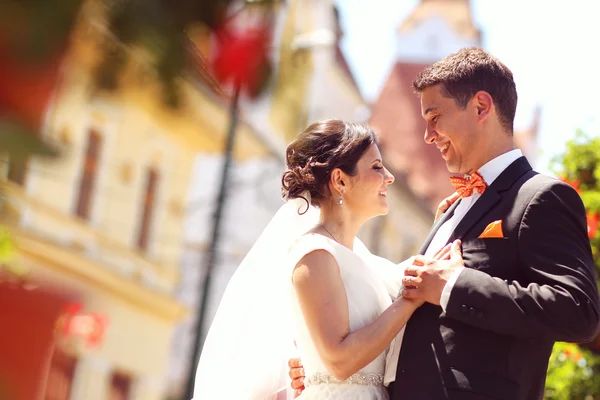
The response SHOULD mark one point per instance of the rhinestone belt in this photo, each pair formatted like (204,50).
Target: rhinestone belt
(356,379)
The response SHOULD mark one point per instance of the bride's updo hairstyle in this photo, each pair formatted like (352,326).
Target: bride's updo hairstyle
(316,152)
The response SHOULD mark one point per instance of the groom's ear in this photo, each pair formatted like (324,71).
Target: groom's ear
(483,104)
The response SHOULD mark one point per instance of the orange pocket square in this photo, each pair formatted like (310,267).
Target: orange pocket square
(493,230)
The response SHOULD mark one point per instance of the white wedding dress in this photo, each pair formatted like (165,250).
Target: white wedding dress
(246,351)
(368,290)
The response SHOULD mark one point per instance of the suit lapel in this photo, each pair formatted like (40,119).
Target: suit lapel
(487,200)
(445,217)
(490,197)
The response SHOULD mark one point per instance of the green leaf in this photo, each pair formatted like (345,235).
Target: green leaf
(20,143)
(7,246)
(573,371)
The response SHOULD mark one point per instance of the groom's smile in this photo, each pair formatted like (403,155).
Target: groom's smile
(444,148)
(456,131)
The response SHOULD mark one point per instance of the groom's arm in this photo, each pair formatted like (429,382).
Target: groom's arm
(562,303)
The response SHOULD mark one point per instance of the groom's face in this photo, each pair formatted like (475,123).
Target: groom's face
(451,129)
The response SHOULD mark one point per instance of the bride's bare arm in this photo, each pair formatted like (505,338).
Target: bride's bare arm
(323,301)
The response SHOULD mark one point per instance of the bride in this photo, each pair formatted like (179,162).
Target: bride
(309,288)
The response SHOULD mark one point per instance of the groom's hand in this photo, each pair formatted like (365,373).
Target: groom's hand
(445,205)
(426,277)
(297,375)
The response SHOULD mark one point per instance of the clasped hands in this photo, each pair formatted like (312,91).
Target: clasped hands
(424,280)
(425,277)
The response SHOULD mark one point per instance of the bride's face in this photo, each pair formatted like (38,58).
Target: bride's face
(367,192)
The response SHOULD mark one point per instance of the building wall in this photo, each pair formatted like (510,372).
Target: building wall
(333,93)
(131,142)
(98,258)
(137,334)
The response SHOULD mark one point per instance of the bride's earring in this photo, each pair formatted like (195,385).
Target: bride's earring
(340,200)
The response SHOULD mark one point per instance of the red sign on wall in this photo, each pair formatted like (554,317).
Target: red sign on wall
(75,323)
(27,337)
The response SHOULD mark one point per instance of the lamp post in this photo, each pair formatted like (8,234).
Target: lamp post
(310,40)
(211,255)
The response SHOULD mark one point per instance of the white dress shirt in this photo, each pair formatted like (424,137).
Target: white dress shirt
(490,171)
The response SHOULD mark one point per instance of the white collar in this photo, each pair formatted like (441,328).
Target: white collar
(493,168)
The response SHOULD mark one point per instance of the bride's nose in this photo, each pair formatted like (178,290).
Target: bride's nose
(389,178)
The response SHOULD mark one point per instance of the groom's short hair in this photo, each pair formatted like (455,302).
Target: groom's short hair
(468,71)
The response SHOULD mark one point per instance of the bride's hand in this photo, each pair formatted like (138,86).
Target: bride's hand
(415,302)
(443,253)
(445,204)
(297,374)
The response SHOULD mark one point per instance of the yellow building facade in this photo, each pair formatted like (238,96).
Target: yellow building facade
(106,219)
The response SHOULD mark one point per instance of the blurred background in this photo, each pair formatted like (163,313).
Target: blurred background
(142,145)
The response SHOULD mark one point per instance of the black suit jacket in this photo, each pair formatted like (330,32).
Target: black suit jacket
(518,295)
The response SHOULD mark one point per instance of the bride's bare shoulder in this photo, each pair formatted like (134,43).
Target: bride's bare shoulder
(314,266)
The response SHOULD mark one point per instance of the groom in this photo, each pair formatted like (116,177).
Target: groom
(526,276)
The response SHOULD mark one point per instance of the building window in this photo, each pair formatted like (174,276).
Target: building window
(120,387)
(60,377)
(88,176)
(148,201)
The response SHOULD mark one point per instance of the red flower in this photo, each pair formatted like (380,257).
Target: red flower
(592,224)
(241,55)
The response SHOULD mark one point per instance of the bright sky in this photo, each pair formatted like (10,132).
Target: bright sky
(549,46)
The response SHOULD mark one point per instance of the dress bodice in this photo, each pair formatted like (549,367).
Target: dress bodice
(367,298)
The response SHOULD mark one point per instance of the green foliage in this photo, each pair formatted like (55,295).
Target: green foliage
(579,165)
(7,246)
(574,371)
(7,256)
(37,28)
(591,199)
(20,143)
(158,27)
(36,32)
(581,161)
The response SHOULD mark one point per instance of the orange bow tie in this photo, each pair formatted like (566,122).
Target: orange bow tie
(465,186)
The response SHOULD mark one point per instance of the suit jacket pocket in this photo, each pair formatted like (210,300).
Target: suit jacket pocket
(492,255)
